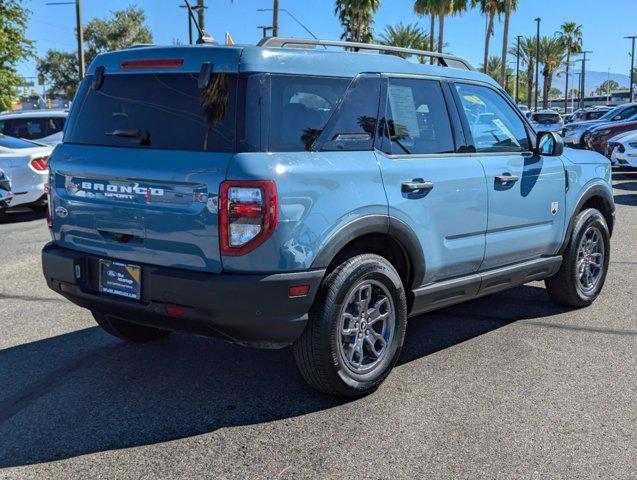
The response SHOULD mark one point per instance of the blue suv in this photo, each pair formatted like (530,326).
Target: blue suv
(289,193)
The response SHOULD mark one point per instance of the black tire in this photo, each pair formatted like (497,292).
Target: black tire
(320,359)
(565,287)
(126,330)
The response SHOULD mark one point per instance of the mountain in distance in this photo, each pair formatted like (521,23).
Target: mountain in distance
(593,80)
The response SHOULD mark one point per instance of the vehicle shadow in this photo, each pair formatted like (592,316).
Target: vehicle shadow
(86,392)
(627,199)
(27,216)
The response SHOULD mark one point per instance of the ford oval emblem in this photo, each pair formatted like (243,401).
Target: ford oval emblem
(61,212)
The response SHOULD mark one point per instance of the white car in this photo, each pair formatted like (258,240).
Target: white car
(24,173)
(45,126)
(623,150)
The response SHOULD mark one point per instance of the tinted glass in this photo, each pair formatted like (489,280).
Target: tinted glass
(10,142)
(594,115)
(417,121)
(494,125)
(546,118)
(29,128)
(164,111)
(353,125)
(299,108)
(629,112)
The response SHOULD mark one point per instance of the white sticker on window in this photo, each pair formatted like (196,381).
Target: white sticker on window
(403,108)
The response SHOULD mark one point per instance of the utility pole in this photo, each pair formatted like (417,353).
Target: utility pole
(275,18)
(80,32)
(200,14)
(517,71)
(632,67)
(537,62)
(189,22)
(291,16)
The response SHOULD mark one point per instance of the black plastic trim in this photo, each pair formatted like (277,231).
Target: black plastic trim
(457,290)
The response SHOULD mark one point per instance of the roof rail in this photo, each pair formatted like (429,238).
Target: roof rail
(444,59)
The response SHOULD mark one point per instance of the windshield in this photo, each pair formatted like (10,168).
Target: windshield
(546,118)
(163,111)
(611,113)
(10,142)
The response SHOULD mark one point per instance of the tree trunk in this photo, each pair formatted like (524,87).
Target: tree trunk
(275,18)
(568,62)
(505,40)
(487,40)
(432,28)
(529,82)
(547,86)
(200,14)
(441,31)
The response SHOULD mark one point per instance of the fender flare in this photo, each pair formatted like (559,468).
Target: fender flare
(383,224)
(595,190)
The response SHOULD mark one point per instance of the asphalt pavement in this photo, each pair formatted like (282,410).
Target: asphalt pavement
(507,386)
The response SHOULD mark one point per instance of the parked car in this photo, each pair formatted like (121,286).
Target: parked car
(24,166)
(271,195)
(623,150)
(524,108)
(546,120)
(41,125)
(567,118)
(573,133)
(589,113)
(597,138)
(5,190)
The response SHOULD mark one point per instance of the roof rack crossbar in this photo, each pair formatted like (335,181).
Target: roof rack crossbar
(444,59)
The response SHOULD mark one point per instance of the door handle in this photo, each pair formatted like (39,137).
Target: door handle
(504,179)
(419,186)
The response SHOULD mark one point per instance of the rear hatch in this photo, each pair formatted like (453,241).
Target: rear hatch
(147,144)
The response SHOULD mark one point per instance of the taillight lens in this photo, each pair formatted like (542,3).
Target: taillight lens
(39,164)
(248,215)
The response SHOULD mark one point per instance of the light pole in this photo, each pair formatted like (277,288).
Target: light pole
(632,66)
(537,62)
(293,18)
(517,71)
(189,22)
(80,32)
(583,78)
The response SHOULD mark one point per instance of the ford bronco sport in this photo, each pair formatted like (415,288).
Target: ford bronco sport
(272,196)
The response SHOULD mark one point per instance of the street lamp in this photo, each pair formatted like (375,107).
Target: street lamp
(517,71)
(537,62)
(80,31)
(293,18)
(583,77)
(632,66)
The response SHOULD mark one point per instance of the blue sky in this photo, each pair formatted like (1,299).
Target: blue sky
(604,25)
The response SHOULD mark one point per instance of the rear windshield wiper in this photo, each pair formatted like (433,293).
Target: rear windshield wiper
(143,135)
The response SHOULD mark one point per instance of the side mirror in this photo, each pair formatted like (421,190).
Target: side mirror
(549,144)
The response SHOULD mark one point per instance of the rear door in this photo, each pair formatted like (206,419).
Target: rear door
(526,191)
(430,185)
(144,153)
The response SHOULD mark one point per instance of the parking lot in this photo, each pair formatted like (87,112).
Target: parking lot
(508,386)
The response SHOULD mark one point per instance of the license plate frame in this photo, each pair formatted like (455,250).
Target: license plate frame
(120,279)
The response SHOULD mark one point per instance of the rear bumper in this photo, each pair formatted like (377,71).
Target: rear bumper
(246,309)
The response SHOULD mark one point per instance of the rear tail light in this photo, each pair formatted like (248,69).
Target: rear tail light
(152,63)
(39,164)
(248,215)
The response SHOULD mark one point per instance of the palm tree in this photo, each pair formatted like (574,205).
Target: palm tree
(527,58)
(275,18)
(356,17)
(441,8)
(488,8)
(509,6)
(405,36)
(552,53)
(571,35)
(422,8)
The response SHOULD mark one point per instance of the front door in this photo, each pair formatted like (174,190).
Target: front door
(526,191)
(439,193)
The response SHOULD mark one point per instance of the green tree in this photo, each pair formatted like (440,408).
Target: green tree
(440,9)
(356,18)
(121,29)
(14,47)
(606,87)
(489,8)
(422,8)
(555,93)
(571,35)
(527,59)
(552,54)
(509,7)
(493,69)
(405,36)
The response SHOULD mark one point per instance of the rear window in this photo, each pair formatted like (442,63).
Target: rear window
(31,128)
(156,110)
(546,118)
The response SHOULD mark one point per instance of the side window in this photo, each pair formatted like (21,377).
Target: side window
(300,108)
(417,120)
(353,125)
(494,125)
(629,112)
(56,125)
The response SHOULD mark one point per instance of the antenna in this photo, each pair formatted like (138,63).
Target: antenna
(203,36)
